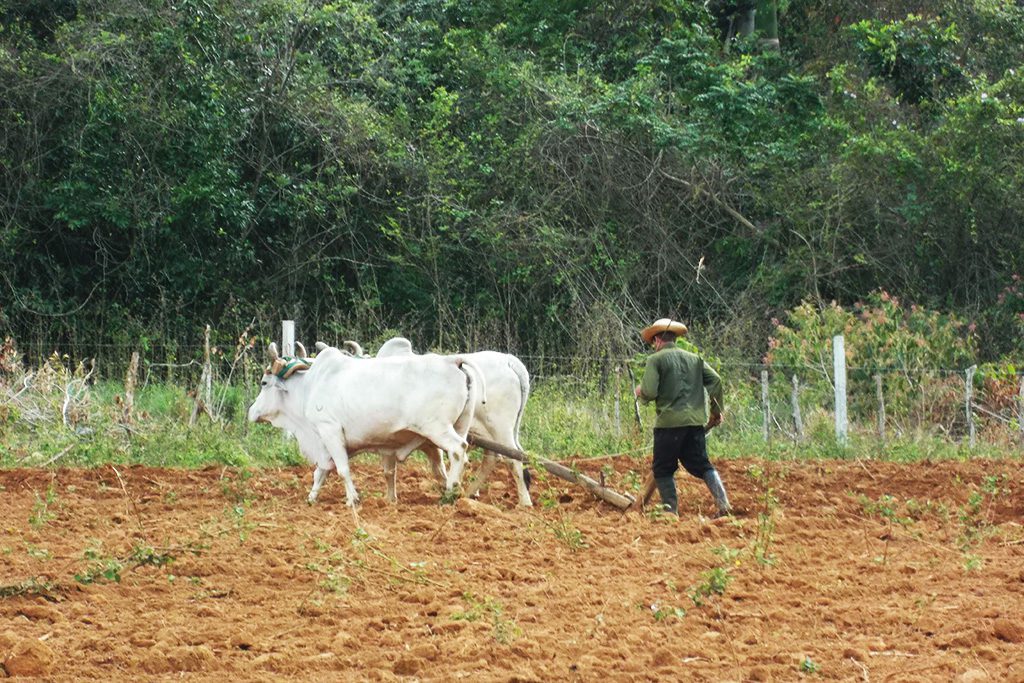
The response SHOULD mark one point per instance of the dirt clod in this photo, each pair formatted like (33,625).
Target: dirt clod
(1010,630)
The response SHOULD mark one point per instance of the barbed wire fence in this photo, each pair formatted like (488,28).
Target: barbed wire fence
(971,406)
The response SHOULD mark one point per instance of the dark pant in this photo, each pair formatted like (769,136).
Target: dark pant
(674,445)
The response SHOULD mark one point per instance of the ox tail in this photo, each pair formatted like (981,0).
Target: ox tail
(523,374)
(473,374)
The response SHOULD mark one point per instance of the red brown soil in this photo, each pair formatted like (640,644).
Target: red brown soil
(264,587)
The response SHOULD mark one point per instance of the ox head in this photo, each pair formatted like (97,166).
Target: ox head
(270,403)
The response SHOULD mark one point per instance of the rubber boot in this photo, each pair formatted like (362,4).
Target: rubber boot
(667,491)
(717,489)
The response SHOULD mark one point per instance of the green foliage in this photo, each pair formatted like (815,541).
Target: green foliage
(713,582)
(505,630)
(905,344)
(521,175)
(917,55)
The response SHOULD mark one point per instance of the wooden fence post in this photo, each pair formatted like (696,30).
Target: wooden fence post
(618,397)
(129,387)
(766,411)
(839,369)
(969,404)
(881,406)
(204,392)
(798,422)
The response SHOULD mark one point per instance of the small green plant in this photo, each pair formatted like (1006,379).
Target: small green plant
(504,630)
(32,586)
(449,496)
(713,582)
(808,666)
(100,568)
(41,511)
(238,489)
(972,562)
(569,535)
(548,498)
(37,552)
(764,481)
(663,612)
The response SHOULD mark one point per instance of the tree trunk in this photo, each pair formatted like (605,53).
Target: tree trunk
(766,23)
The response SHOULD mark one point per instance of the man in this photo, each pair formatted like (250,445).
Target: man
(675,380)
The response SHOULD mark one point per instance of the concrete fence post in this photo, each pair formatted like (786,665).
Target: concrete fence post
(969,404)
(880,395)
(839,369)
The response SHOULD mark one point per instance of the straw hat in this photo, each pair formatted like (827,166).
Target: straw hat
(662,325)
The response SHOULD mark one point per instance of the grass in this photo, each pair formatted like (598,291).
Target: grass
(566,417)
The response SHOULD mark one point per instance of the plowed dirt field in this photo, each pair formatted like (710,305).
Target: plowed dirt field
(832,570)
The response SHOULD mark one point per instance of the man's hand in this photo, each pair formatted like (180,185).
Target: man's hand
(716,419)
(637,392)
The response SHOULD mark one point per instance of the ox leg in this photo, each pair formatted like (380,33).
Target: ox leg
(485,470)
(319,477)
(340,457)
(436,460)
(390,463)
(516,468)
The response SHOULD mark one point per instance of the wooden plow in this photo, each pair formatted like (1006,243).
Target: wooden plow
(621,501)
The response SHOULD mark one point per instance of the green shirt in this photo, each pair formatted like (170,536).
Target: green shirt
(675,380)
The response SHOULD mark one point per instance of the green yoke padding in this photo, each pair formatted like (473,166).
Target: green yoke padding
(291,365)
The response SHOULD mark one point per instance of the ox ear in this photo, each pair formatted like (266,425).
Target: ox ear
(353,348)
(320,346)
(272,351)
(301,350)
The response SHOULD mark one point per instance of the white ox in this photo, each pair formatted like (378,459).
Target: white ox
(342,406)
(498,418)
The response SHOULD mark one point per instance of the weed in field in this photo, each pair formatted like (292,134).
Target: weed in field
(886,508)
(714,581)
(504,630)
(568,534)
(41,511)
(244,527)
(32,586)
(238,489)
(100,567)
(972,562)
(764,480)
(808,666)
(449,496)
(37,553)
(994,485)
(663,612)
(548,498)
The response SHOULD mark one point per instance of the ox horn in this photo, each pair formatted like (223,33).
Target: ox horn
(353,348)
(272,351)
(301,349)
(320,346)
